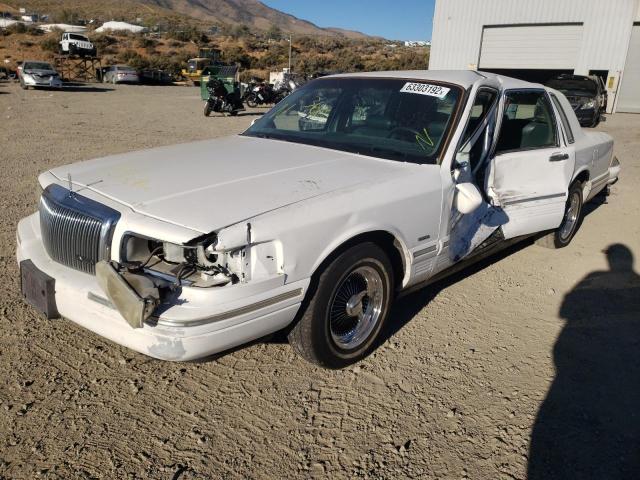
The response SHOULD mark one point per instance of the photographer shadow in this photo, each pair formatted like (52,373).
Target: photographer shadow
(588,427)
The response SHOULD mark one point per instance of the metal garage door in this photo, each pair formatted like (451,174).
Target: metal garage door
(629,97)
(553,47)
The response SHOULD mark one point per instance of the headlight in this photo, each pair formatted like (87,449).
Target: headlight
(28,79)
(589,104)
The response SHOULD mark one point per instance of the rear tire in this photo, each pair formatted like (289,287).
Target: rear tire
(346,308)
(571,221)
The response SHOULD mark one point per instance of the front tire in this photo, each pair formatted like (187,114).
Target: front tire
(207,109)
(346,308)
(562,236)
(252,101)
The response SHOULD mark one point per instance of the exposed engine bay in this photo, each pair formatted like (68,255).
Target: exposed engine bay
(153,272)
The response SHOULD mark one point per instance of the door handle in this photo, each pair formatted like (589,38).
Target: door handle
(558,157)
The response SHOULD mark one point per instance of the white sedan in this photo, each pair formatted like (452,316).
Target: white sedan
(310,225)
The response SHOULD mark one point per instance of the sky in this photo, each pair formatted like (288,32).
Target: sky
(392,19)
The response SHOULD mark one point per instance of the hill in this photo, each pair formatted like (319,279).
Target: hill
(252,13)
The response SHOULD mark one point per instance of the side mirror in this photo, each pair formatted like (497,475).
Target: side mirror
(467,198)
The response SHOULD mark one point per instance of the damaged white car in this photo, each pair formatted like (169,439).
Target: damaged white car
(309,223)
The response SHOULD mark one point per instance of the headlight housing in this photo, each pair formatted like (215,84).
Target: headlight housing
(194,264)
(588,104)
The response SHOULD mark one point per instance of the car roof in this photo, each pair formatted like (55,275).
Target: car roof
(464,78)
(36,61)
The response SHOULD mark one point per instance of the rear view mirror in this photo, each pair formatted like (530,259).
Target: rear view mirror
(467,198)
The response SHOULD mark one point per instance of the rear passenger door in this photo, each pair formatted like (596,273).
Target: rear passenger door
(532,165)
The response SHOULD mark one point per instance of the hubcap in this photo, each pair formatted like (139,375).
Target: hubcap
(570,216)
(356,307)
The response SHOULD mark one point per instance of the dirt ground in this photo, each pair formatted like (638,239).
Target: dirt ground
(525,366)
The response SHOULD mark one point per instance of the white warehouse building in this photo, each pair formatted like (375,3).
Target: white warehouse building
(538,39)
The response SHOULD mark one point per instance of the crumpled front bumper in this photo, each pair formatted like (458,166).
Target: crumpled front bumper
(202,322)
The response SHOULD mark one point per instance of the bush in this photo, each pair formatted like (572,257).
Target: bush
(102,41)
(146,43)
(187,33)
(50,44)
(23,28)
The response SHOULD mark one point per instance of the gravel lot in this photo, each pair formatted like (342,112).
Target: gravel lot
(535,344)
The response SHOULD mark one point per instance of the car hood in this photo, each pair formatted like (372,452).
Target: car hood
(212,184)
(579,93)
(41,72)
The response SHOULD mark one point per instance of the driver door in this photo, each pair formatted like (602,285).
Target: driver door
(531,169)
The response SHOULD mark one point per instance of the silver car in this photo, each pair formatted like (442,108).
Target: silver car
(121,74)
(38,74)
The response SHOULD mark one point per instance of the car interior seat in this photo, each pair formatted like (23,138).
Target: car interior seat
(537,132)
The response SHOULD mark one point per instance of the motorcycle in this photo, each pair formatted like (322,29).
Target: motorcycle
(260,94)
(220,100)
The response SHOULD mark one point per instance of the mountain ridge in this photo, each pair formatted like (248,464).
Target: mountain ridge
(253,13)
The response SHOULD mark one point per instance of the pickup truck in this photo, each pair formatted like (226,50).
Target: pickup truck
(315,227)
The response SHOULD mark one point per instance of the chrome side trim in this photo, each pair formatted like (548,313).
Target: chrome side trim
(424,251)
(232,313)
(534,199)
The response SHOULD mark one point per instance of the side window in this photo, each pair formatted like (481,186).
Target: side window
(563,119)
(528,122)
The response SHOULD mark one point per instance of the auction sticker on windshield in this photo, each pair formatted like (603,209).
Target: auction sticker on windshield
(425,89)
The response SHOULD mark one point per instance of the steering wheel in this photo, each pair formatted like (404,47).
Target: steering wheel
(406,131)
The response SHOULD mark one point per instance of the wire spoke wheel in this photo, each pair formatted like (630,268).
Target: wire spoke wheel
(356,307)
(571,216)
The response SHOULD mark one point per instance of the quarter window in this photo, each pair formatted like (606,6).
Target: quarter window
(563,119)
(527,122)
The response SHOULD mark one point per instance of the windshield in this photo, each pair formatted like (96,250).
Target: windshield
(37,66)
(386,118)
(580,85)
(74,36)
(126,69)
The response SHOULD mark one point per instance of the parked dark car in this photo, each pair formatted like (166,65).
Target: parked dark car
(587,96)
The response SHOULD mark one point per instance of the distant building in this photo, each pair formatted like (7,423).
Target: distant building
(417,43)
(543,39)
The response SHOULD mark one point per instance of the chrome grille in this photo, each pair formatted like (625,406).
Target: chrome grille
(76,231)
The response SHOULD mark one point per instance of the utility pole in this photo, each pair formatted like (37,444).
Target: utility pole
(289,53)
